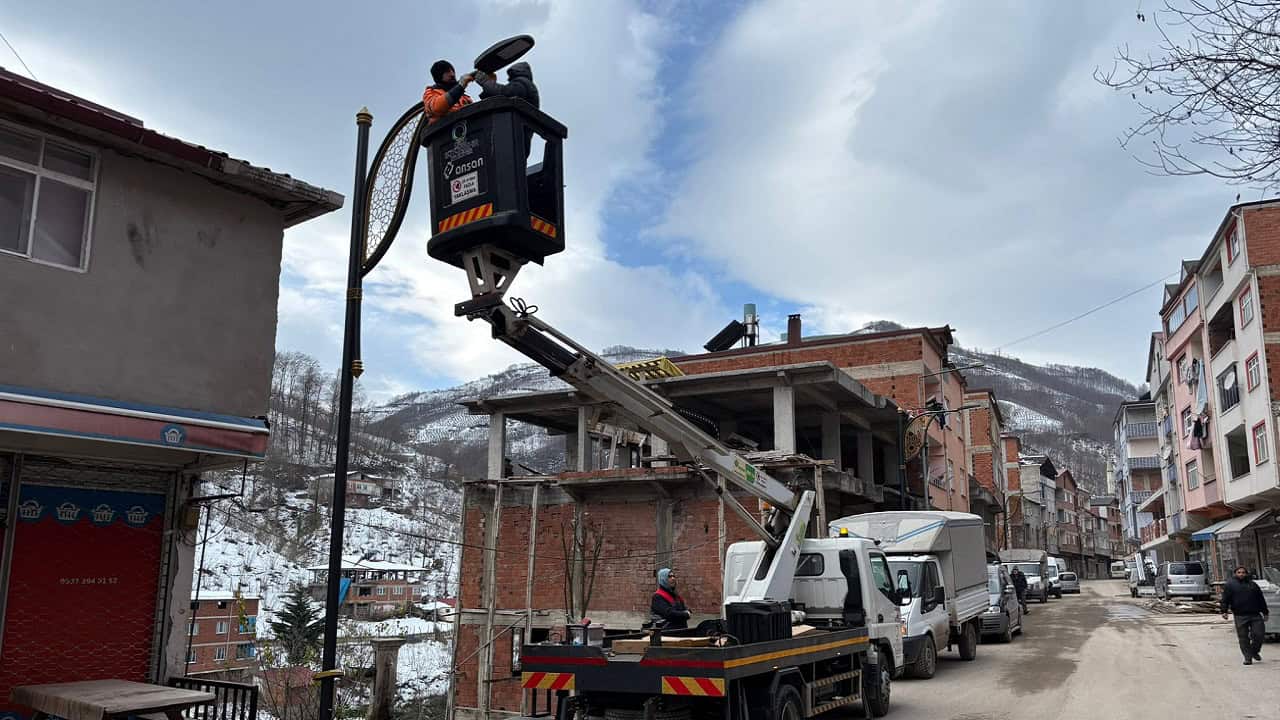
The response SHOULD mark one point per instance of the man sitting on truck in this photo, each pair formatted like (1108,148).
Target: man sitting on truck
(669,611)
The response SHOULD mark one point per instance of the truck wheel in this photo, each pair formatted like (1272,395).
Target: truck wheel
(875,686)
(927,664)
(786,704)
(968,642)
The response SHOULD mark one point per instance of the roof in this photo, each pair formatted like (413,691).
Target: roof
(1227,219)
(222,595)
(1174,291)
(1131,403)
(1151,350)
(940,337)
(46,105)
(350,563)
(1231,529)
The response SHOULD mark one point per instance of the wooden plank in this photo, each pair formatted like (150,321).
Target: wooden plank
(98,699)
(637,646)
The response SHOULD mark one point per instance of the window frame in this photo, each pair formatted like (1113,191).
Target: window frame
(191,656)
(1245,295)
(1183,417)
(802,571)
(220,653)
(91,186)
(195,628)
(1234,243)
(380,590)
(1192,469)
(1265,455)
(222,627)
(1256,363)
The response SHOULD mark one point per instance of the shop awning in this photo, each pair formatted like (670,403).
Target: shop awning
(1206,534)
(1232,528)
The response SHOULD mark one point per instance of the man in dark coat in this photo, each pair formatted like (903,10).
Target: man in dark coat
(1020,588)
(520,86)
(667,607)
(1244,599)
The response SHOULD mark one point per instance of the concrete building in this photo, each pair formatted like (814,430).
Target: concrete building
(1071,537)
(371,589)
(1171,525)
(1039,480)
(1024,525)
(1137,465)
(984,428)
(139,275)
(224,636)
(363,489)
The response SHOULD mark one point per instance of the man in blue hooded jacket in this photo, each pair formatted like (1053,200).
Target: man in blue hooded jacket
(668,608)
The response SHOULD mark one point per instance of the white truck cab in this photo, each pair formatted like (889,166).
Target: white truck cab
(826,570)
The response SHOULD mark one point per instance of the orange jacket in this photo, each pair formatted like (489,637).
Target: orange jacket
(435,101)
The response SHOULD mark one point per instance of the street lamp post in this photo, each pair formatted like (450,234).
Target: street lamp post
(924,456)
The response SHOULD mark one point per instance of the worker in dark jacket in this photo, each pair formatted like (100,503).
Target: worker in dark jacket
(520,86)
(1020,588)
(447,94)
(1244,599)
(669,611)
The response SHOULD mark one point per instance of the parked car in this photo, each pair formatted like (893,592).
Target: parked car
(1004,618)
(1056,567)
(1037,588)
(1119,571)
(1069,582)
(1182,578)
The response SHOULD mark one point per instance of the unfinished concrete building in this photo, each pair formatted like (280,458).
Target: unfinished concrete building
(587,541)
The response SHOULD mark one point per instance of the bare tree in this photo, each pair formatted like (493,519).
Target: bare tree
(1210,94)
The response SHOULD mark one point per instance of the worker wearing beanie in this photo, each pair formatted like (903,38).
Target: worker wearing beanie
(447,94)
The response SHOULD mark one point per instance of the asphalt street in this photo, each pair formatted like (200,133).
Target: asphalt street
(1100,655)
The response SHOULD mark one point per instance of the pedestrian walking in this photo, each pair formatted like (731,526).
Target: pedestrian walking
(1020,588)
(1244,599)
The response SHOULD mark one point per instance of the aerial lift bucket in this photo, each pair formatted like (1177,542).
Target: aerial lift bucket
(494,206)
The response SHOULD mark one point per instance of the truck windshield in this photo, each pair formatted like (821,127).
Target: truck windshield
(1029,569)
(913,574)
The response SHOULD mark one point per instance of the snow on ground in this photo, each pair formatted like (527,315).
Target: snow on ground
(1022,417)
(423,668)
(393,627)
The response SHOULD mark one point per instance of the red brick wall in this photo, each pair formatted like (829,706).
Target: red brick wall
(983,472)
(844,355)
(1268,303)
(1272,353)
(1262,235)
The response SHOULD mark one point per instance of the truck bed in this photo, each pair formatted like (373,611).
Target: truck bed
(665,670)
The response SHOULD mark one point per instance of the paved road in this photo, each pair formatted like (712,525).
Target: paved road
(1100,656)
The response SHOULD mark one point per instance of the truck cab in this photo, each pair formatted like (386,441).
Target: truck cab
(925,620)
(826,569)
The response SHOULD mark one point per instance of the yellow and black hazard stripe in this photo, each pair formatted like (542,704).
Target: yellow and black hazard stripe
(695,686)
(542,226)
(457,220)
(546,681)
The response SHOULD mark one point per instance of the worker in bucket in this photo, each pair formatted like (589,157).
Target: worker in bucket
(520,86)
(447,94)
(667,607)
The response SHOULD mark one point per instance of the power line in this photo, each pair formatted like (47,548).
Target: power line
(15,54)
(1087,313)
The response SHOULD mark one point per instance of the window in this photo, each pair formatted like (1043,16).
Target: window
(1186,568)
(1246,308)
(1253,371)
(810,565)
(1260,451)
(398,590)
(46,198)
(249,626)
(364,591)
(221,628)
(1193,475)
(195,628)
(191,656)
(245,651)
(1228,389)
(1191,301)
(1233,244)
(1186,421)
(880,573)
(220,654)
(1238,453)
(382,590)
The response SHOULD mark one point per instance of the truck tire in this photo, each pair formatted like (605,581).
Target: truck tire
(786,703)
(927,664)
(875,686)
(1007,635)
(968,642)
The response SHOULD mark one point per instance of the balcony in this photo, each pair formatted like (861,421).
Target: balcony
(1139,496)
(1156,530)
(1148,462)
(1166,426)
(1140,430)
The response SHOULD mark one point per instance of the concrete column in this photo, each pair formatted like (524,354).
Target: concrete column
(386,652)
(582,439)
(658,446)
(867,458)
(890,464)
(784,418)
(497,445)
(489,596)
(831,449)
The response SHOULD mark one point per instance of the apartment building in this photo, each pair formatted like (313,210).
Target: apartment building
(371,589)
(984,427)
(1137,466)
(224,634)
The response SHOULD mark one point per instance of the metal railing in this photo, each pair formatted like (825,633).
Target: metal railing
(1144,462)
(1157,529)
(232,701)
(1141,429)
(1137,497)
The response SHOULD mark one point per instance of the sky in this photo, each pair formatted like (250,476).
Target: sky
(928,163)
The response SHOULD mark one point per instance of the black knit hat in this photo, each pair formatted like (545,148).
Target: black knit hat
(439,68)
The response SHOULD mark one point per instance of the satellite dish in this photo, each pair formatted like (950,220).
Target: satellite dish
(503,53)
(913,437)
(1229,381)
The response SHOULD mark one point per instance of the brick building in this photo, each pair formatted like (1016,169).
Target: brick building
(224,633)
(371,589)
(363,489)
(984,427)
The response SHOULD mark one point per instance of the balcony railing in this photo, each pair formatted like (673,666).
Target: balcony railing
(1166,426)
(1144,462)
(1139,496)
(1157,529)
(1141,430)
